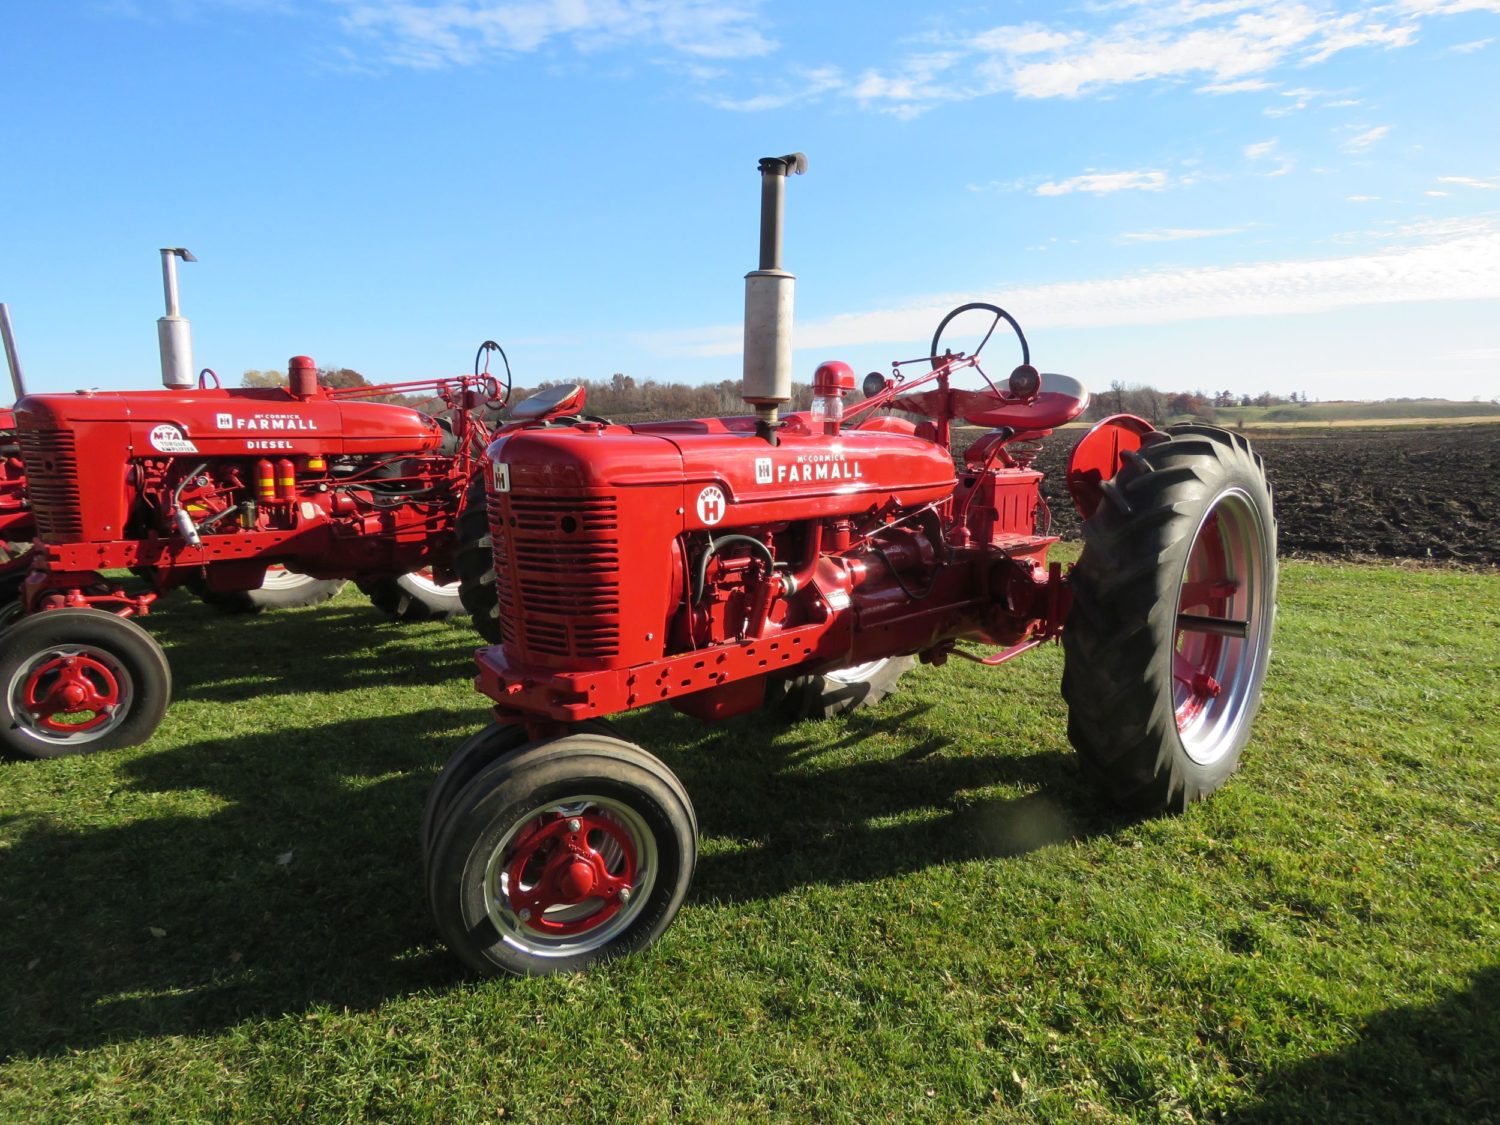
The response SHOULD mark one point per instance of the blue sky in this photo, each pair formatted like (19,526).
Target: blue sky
(1214,194)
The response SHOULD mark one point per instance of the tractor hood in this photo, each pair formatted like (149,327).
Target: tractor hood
(728,476)
(224,423)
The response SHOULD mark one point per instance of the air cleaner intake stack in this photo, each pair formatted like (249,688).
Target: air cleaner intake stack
(768,302)
(173,332)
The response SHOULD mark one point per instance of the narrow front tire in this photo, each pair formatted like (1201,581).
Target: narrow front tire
(78,681)
(561,855)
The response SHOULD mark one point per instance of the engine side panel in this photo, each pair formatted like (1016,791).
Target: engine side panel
(588,521)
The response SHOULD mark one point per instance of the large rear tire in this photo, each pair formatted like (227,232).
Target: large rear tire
(77,681)
(474,560)
(561,855)
(413,597)
(282,589)
(836,693)
(1169,635)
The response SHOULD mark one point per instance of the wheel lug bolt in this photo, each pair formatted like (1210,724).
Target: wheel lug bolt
(575,824)
(624,894)
(525,915)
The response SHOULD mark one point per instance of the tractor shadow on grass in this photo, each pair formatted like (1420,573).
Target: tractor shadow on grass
(264,874)
(228,658)
(1435,1063)
(246,876)
(805,811)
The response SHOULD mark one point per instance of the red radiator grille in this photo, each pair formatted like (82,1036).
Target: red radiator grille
(52,483)
(557,570)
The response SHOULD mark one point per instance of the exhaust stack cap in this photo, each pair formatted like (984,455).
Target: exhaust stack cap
(174,334)
(769,293)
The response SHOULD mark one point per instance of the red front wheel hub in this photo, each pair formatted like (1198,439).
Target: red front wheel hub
(571,876)
(72,693)
(581,862)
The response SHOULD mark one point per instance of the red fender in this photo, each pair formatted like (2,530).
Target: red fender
(1098,455)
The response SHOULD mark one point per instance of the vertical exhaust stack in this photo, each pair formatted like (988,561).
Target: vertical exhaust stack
(173,332)
(12,360)
(768,303)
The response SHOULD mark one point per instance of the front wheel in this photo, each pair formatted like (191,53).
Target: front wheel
(1169,635)
(560,855)
(76,681)
(413,597)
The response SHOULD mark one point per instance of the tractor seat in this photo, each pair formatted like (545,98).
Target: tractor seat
(564,398)
(1061,399)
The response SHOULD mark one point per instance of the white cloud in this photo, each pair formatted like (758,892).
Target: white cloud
(1266,150)
(1104,183)
(1361,198)
(1227,46)
(1448,7)
(1175,234)
(430,34)
(1301,97)
(809,86)
(1436,194)
(1457,261)
(1471,46)
(1243,86)
(1469,181)
(1362,141)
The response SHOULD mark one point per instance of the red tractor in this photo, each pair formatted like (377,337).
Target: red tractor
(213,488)
(806,563)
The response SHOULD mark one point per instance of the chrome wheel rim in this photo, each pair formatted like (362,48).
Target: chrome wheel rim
(1222,637)
(89,686)
(525,868)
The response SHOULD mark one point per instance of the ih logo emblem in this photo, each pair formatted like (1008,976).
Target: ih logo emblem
(762,470)
(500,477)
(711,505)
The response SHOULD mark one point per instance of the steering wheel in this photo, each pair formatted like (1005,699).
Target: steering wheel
(978,306)
(495,399)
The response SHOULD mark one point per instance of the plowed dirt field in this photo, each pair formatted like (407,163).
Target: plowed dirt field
(1431,494)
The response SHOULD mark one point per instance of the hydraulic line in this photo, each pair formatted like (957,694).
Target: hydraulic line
(713,549)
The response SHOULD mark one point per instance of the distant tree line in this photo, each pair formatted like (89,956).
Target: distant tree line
(624,398)
(620,397)
(1158,406)
(340,378)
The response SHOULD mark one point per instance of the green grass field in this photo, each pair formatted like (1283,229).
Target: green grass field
(1423,412)
(920,912)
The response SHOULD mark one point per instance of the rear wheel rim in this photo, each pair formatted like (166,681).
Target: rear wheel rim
(280,578)
(555,890)
(423,580)
(1221,640)
(70,694)
(859,673)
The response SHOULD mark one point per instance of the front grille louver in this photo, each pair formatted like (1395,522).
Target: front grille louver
(557,570)
(51,459)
